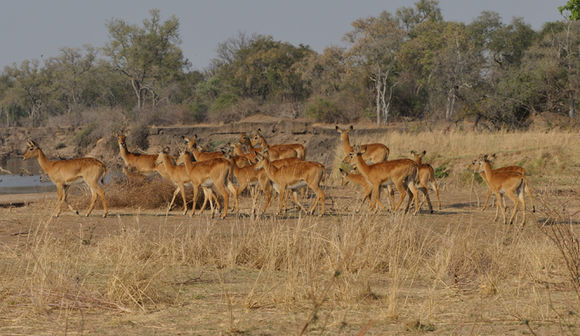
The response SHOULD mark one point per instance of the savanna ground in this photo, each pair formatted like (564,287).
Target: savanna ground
(139,272)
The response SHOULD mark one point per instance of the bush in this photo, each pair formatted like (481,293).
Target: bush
(322,110)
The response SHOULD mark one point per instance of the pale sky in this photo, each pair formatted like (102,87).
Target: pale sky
(30,29)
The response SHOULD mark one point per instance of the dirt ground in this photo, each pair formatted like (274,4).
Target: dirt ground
(204,309)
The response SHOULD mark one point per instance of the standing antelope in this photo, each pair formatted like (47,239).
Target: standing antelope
(197,153)
(373,153)
(64,172)
(293,176)
(210,173)
(513,184)
(402,173)
(178,175)
(513,169)
(142,163)
(280,151)
(426,175)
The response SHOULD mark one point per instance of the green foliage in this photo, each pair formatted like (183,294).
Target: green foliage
(198,111)
(441,172)
(322,110)
(83,138)
(411,64)
(225,100)
(573,7)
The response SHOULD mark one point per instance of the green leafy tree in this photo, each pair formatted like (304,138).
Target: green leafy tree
(374,45)
(573,7)
(264,69)
(149,56)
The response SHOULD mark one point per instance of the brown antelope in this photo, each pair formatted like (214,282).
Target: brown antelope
(403,173)
(199,155)
(360,180)
(293,176)
(238,151)
(178,175)
(142,163)
(515,169)
(373,153)
(64,172)
(426,175)
(252,177)
(513,184)
(281,151)
(215,173)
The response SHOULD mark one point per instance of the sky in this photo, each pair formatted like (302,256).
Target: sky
(36,29)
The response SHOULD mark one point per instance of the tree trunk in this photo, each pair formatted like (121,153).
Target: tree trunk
(572,111)
(138,92)
(450,104)
(378,98)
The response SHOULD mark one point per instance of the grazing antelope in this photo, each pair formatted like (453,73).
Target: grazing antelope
(514,169)
(142,163)
(360,180)
(64,172)
(373,153)
(426,175)
(402,173)
(214,173)
(292,176)
(513,184)
(281,151)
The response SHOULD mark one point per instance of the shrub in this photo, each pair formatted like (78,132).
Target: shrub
(322,110)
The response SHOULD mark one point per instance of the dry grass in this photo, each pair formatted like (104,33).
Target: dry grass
(343,274)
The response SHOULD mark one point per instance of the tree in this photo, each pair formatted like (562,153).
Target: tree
(263,69)
(30,88)
(72,72)
(149,56)
(375,42)
(572,6)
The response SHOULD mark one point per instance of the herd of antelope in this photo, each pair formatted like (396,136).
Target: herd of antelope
(253,163)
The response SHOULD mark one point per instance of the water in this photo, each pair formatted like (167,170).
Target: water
(16,184)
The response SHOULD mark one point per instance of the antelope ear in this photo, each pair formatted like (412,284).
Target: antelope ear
(412,152)
(492,157)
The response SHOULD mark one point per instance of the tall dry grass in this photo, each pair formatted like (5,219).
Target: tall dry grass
(398,263)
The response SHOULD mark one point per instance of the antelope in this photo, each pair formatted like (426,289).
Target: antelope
(513,184)
(281,151)
(292,176)
(142,163)
(360,180)
(250,157)
(64,172)
(373,153)
(426,175)
(215,173)
(178,175)
(249,176)
(402,173)
(199,155)
(515,169)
